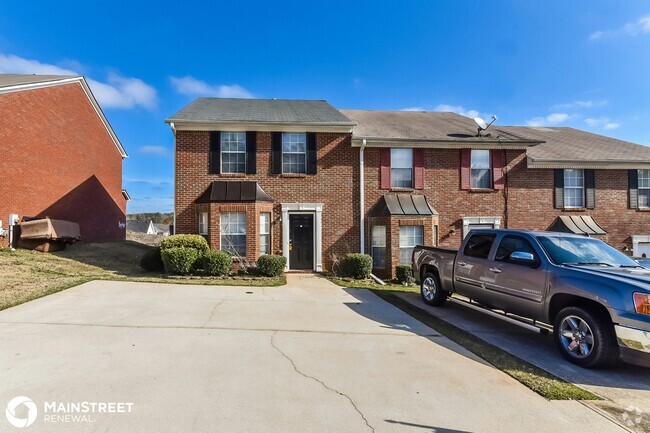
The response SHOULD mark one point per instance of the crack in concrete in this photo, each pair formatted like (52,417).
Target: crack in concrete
(212,313)
(323,384)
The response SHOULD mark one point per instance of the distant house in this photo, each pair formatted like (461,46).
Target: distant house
(162,229)
(145,227)
(60,157)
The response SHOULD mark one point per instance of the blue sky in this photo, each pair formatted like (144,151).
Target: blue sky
(582,63)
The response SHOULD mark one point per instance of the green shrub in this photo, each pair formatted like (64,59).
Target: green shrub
(403,275)
(196,242)
(271,266)
(179,260)
(151,261)
(217,263)
(357,266)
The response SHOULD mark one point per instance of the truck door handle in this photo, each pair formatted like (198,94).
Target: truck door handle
(462,264)
(496,270)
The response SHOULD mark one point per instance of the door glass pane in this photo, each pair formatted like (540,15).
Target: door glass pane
(479,245)
(511,244)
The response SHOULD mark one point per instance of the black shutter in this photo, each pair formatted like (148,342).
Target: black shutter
(559,188)
(633,185)
(312,154)
(215,152)
(590,189)
(251,152)
(276,153)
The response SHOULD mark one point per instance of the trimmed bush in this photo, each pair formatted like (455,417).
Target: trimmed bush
(196,242)
(271,266)
(179,260)
(151,261)
(403,275)
(217,263)
(357,266)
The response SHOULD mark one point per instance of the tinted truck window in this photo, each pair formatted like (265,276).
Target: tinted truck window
(510,244)
(479,245)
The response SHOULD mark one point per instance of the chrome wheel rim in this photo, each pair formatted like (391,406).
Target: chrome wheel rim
(429,289)
(576,337)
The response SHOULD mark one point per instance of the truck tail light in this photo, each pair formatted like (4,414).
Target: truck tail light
(642,303)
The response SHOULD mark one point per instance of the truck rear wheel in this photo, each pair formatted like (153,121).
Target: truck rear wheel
(432,293)
(585,337)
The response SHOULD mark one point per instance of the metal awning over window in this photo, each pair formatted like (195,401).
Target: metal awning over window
(578,224)
(222,191)
(402,204)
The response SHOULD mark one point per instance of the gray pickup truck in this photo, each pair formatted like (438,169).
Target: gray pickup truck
(596,298)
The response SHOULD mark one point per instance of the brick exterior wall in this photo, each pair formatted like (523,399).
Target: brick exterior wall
(333,186)
(59,161)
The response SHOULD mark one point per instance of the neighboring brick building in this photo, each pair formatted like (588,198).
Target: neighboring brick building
(427,178)
(61,158)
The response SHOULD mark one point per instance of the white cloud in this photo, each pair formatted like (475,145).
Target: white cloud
(412,109)
(551,119)
(458,109)
(192,87)
(580,104)
(604,122)
(116,92)
(154,150)
(634,28)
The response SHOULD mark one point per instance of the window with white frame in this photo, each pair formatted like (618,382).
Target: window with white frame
(574,188)
(203,223)
(233,152)
(401,168)
(378,246)
(265,233)
(644,188)
(294,152)
(481,169)
(233,233)
(409,237)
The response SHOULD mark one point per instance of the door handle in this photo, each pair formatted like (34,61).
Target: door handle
(496,270)
(462,264)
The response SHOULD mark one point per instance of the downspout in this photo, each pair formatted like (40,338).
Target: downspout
(173,128)
(362,210)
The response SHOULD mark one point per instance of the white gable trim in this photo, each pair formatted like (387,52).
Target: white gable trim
(89,94)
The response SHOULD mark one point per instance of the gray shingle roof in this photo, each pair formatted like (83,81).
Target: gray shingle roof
(285,111)
(424,126)
(562,144)
(7,80)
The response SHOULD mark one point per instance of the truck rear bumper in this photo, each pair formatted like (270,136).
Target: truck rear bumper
(634,345)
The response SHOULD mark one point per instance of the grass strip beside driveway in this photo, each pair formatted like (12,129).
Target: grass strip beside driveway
(542,382)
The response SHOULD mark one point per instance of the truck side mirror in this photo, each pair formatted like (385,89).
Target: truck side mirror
(523,258)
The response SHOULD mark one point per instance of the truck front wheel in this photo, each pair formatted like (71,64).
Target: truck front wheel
(432,293)
(585,337)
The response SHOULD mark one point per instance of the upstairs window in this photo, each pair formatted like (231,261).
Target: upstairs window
(481,170)
(233,233)
(644,188)
(294,152)
(574,188)
(401,168)
(233,152)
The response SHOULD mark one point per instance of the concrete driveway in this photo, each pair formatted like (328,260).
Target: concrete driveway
(306,357)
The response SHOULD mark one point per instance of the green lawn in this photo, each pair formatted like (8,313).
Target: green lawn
(27,275)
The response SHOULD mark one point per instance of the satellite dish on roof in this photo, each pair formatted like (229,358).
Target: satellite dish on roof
(482,126)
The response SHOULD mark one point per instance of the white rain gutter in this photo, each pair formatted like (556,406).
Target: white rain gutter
(173,128)
(362,210)
(362,219)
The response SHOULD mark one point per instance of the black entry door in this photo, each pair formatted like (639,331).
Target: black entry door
(301,241)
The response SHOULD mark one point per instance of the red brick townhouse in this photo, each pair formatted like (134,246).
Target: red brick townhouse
(61,157)
(300,178)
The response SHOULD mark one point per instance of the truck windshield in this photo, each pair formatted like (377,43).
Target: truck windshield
(584,251)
